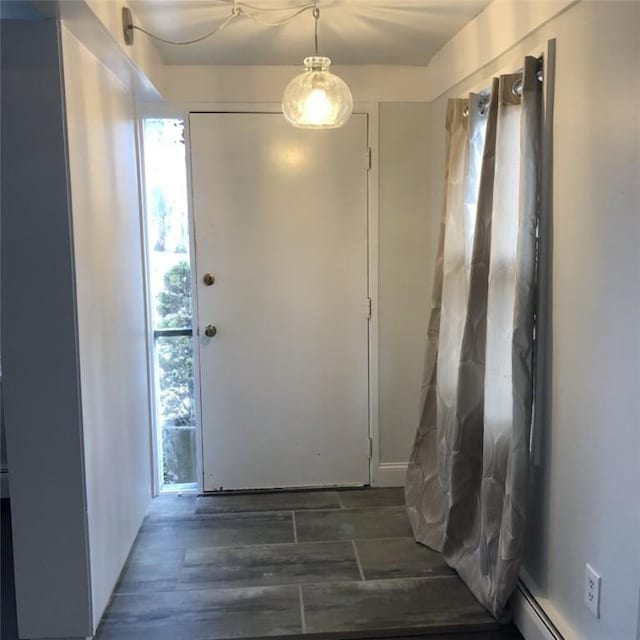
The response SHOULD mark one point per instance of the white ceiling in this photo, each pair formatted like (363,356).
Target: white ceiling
(352,32)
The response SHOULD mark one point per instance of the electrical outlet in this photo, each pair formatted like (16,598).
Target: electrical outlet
(592,583)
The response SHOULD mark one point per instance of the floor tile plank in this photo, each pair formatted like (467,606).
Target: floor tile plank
(349,524)
(216,531)
(150,570)
(410,603)
(282,501)
(203,614)
(399,558)
(171,506)
(269,565)
(372,497)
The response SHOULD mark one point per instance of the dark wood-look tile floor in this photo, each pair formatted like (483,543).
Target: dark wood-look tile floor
(312,564)
(318,565)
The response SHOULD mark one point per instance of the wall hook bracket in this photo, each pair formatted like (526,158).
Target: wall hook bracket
(127,25)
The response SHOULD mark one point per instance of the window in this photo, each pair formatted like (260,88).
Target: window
(169,275)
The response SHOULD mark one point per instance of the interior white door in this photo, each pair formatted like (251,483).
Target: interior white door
(281,223)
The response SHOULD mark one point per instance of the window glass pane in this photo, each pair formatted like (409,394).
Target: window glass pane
(173,295)
(174,356)
(169,272)
(167,219)
(174,366)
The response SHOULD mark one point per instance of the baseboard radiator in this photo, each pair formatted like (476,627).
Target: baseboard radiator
(531,620)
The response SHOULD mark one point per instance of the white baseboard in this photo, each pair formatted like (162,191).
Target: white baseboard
(530,618)
(4,483)
(389,474)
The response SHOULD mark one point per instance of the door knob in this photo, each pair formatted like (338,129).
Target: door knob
(210,331)
(208,279)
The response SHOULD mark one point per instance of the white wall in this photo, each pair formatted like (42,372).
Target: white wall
(408,239)
(142,53)
(110,309)
(586,503)
(490,34)
(99,22)
(368,83)
(41,392)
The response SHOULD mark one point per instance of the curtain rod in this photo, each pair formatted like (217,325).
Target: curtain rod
(516,89)
(517,85)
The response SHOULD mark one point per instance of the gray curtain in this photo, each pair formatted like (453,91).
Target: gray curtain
(467,478)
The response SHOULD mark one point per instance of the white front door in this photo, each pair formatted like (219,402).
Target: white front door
(281,224)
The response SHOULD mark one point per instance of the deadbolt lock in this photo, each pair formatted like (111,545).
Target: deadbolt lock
(210,331)
(208,279)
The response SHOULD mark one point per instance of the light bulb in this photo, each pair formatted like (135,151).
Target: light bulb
(318,108)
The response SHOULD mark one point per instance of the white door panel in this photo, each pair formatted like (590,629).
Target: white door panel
(281,222)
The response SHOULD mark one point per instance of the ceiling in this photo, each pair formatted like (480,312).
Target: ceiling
(351,32)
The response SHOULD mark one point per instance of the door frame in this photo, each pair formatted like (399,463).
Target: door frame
(182,111)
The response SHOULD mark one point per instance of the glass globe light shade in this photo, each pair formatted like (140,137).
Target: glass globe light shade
(317,99)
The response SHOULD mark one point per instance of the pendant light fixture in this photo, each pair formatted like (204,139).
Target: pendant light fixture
(317,98)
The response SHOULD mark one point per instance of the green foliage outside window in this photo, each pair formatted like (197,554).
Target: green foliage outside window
(174,301)
(175,363)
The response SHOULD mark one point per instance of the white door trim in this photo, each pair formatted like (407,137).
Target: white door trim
(182,110)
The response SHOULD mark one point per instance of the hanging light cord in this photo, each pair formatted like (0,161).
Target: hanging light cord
(316,16)
(220,27)
(279,23)
(237,11)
